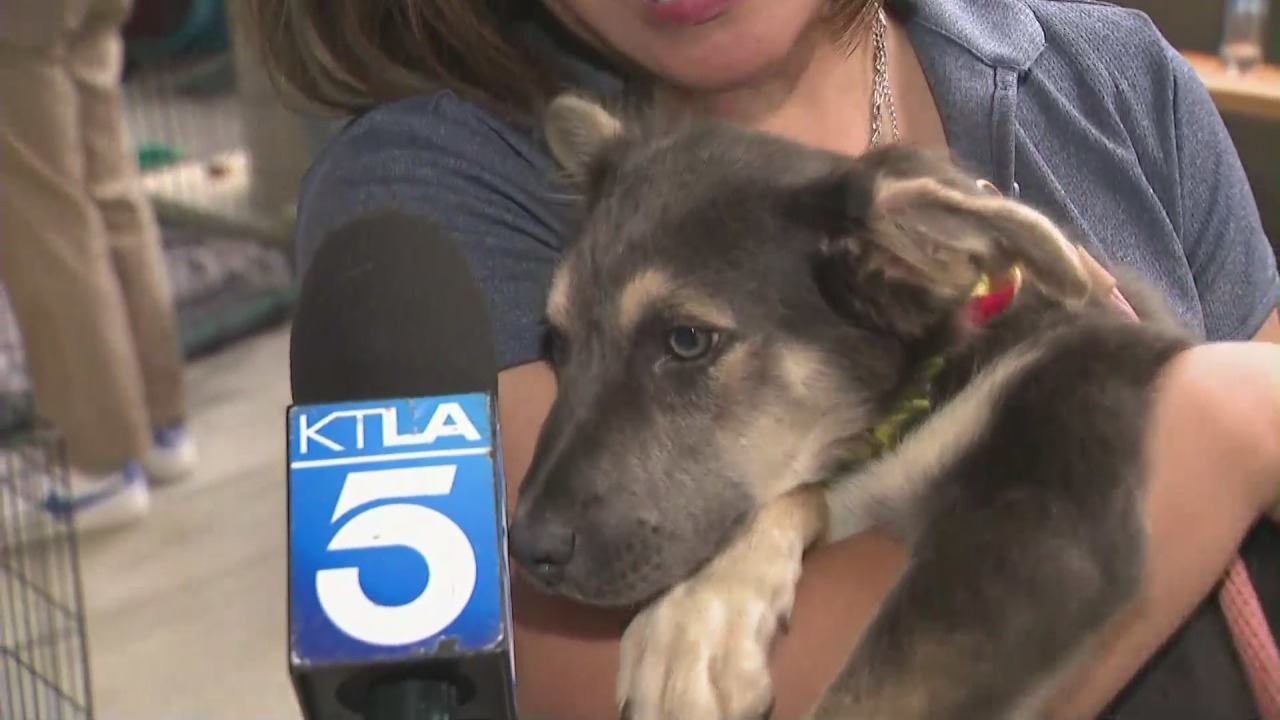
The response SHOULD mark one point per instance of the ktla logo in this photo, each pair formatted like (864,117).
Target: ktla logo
(384,500)
(341,431)
(435,537)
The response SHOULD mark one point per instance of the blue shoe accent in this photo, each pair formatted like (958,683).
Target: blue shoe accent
(62,505)
(170,437)
(172,456)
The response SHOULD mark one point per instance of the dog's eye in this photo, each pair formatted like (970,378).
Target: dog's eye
(690,343)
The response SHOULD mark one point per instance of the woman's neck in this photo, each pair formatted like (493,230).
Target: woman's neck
(821,95)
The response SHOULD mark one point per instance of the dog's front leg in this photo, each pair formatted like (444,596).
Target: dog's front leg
(701,651)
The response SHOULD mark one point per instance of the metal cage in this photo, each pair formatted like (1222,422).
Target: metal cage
(44,668)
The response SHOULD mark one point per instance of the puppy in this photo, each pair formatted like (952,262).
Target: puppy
(736,331)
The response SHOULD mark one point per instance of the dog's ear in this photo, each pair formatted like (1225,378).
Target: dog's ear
(916,247)
(577,131)
(950,236)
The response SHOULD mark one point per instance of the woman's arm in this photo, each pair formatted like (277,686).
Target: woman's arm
(1214,468)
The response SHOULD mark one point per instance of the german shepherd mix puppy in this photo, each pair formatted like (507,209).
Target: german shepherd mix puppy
(736,318)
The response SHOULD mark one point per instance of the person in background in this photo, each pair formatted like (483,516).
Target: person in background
(82,261)
(1080,108)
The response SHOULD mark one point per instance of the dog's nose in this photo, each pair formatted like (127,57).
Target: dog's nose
(543,548)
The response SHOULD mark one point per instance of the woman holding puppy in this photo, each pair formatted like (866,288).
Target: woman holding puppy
(1080,108)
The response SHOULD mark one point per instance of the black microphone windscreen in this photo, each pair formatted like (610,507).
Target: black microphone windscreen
(390,308)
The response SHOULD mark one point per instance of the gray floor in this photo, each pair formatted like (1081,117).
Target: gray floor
(186,612)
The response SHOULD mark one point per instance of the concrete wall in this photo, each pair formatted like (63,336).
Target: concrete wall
(280,142)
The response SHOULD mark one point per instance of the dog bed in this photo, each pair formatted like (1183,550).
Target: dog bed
(225,288)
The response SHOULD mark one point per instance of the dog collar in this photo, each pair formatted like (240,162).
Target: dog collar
(990,297)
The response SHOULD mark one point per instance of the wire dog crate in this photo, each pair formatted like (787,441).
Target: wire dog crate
(44,670)
(43,650)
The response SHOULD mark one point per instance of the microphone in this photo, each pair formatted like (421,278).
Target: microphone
(399,603)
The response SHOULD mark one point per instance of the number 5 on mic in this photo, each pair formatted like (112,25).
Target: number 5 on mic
(442,544)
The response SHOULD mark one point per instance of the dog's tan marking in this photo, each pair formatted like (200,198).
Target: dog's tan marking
(702,650)
(730,372)
(1103,281)
(576,129)
(1030,239)
(802,368)
(802,511)
(646,289)
(558,297)
(782,444)
(791,437)
(652,287)
(879,493)
(779,448)
(696,307)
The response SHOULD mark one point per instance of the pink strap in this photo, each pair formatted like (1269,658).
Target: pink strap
(1252,636)
(1253,639)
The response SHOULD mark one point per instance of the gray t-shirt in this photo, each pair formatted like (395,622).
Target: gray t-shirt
(1081,108)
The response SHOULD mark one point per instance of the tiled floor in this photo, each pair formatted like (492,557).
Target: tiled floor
(186,612)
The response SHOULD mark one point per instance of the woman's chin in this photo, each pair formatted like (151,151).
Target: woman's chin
(724,67)
(729,53)
(713,77)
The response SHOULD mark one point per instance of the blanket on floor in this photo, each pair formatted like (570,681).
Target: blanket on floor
(225,288)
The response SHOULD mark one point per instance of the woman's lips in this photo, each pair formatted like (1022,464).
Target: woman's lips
(687,12)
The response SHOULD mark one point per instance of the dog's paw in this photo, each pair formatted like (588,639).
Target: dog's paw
(701,652)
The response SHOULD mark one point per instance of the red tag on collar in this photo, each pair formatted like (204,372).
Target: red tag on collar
(990,304)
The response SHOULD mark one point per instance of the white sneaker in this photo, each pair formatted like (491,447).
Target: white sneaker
(33,508)
(173,455)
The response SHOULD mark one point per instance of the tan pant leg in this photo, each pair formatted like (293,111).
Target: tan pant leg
(95,60)
(55,258)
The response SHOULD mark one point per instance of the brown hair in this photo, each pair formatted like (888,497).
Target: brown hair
(349,55)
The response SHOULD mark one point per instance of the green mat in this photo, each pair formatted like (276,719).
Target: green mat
(152,156)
